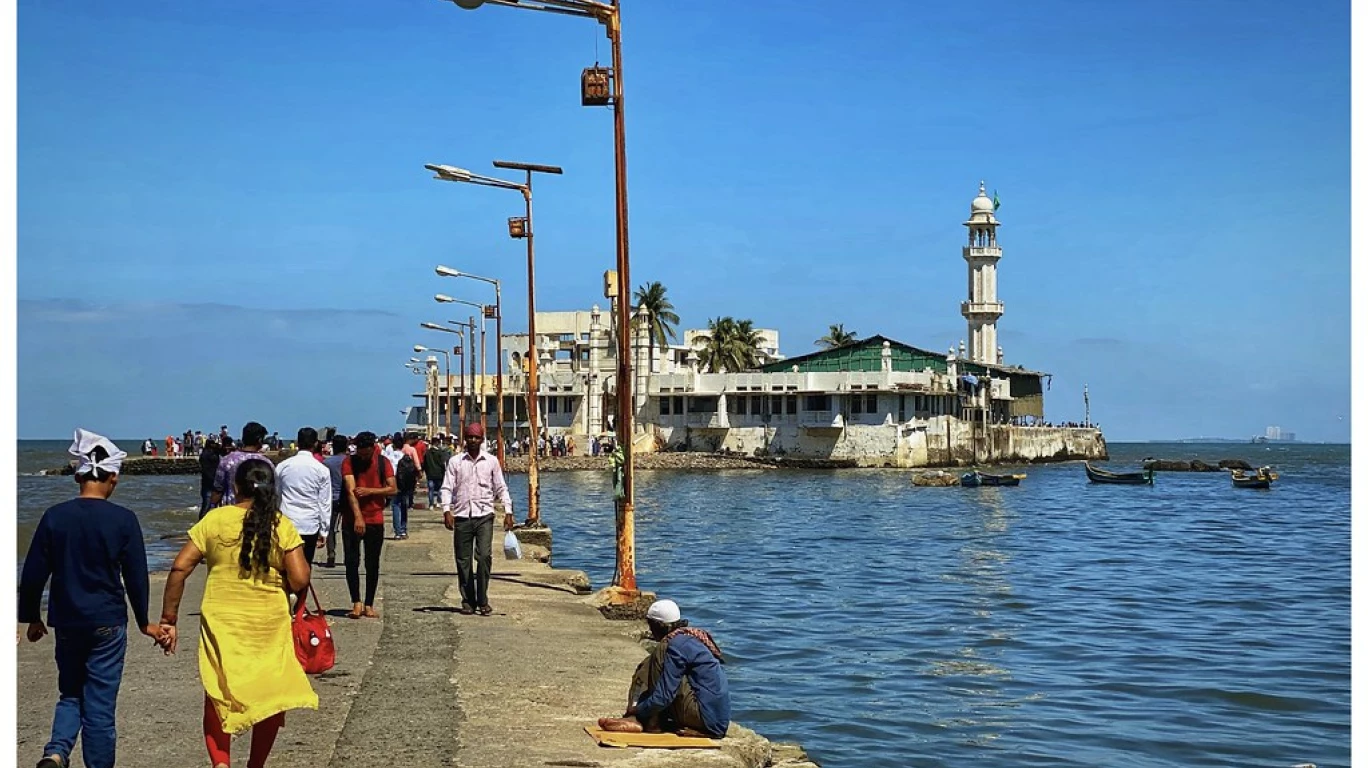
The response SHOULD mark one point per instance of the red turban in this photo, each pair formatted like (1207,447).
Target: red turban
(474,429)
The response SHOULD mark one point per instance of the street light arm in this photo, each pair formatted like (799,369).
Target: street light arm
(566,7)
(436,327)
(452,173)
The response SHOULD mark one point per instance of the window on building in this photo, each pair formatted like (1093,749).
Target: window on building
(756,406)
(856,404)
(553,405)
(902,407)
(817,403)
(739,403)
(793,405)
(679,405)
(871,403)
(702,405)
(664,405)
(777,405)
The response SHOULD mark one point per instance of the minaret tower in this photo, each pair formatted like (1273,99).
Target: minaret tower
(983,309)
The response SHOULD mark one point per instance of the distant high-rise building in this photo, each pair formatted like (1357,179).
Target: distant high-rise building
(1289,437)
(1273,433)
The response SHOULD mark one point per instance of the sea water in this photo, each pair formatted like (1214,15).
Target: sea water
(1054,624)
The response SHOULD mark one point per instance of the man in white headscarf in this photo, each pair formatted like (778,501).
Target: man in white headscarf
(681,686)
(92,549)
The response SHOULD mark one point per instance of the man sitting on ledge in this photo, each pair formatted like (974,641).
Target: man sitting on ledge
(680,687)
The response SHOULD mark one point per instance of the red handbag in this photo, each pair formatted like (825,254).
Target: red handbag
(313,639)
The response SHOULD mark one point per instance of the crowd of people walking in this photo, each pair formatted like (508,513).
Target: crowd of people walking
(260,528)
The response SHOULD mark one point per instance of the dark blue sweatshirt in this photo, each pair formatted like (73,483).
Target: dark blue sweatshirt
(688,657)
(92,549)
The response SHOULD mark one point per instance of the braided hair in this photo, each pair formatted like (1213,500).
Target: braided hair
(255,480)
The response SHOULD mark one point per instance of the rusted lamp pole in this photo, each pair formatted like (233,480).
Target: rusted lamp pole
(600,87)
(517,228)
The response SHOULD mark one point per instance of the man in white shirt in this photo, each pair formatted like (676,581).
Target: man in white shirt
(473,485)
(306,492)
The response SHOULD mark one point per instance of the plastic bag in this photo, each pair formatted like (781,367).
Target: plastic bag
(512,547)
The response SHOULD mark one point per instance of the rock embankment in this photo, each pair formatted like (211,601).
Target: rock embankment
(157,465)
(695,462)
(1194,465)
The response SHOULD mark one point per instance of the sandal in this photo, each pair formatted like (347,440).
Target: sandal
(484,610)
(354,613)
(370,612)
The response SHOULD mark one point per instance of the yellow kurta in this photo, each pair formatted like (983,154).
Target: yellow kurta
(246,652)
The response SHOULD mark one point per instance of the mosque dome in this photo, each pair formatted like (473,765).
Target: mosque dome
(982,203)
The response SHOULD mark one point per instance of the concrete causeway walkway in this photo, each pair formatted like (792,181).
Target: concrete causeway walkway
(421,686)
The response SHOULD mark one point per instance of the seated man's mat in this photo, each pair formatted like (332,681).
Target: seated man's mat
(649,740)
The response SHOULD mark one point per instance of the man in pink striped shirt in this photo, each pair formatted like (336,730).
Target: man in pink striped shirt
(474,481)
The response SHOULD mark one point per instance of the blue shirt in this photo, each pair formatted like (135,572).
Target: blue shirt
(686,656)
(92,550)
(334,465)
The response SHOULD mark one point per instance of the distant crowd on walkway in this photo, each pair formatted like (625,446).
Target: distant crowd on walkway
(260,526)
(1031,421)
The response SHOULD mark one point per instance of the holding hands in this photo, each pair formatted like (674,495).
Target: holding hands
(164,635)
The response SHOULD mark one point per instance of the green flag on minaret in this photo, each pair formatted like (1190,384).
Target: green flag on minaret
(996,201)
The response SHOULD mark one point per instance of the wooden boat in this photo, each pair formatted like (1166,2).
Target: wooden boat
(1263,477)
(976,479)
(1096,475)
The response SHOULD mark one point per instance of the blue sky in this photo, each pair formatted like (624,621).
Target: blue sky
(223,215)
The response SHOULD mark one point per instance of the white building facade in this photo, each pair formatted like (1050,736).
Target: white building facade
(875,402)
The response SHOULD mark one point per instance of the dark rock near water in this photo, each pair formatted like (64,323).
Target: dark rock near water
(1193,465)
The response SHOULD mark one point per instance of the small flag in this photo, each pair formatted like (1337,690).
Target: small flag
(996,201)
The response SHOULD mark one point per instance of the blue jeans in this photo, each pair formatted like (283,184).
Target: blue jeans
(400,507)
(434,486)
(90,665)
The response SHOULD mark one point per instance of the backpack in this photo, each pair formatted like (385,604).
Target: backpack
(406,473)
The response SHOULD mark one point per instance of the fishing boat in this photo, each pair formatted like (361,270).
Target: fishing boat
(1263,477)
(1096,475)
(976,479)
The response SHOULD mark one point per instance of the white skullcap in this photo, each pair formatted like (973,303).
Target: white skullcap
(85,443)
(663,611)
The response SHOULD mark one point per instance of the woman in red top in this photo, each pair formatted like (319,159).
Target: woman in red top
(368,483)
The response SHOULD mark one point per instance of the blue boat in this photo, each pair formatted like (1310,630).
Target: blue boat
(976,479)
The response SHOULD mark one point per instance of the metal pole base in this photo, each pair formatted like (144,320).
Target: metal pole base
(622,605)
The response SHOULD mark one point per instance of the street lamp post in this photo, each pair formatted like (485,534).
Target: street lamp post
(594,92)
(517,228)
(447,356)
(498,342)
(484,312)
(444,329)
(419,369)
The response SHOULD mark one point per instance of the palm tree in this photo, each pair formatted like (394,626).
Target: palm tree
(663,319)
(730,346)
(837,336)
(746,346)
(713,355)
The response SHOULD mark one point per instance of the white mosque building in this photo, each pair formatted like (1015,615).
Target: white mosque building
(874,402)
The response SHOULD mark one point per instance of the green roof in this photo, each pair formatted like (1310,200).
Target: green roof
(867,355)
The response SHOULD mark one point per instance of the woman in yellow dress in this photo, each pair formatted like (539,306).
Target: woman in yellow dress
(246,652)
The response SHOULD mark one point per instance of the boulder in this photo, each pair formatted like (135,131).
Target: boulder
(1167,465)
(1198,465)
(1235,464)
(936,479)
